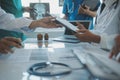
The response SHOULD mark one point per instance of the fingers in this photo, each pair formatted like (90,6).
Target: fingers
(80,10)
(59,25)
(8,41)
(76,34)
(49,22)
(5,49)
(80,26)
(14,44)
(81,34)
(87,7)
(82,30)
(17,40)
(113,52)
(53,23)
(116,49)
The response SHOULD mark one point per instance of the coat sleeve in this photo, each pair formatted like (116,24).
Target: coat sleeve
(9,22)
(107,41)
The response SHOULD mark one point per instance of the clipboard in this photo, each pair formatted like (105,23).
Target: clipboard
(85,23)
(67,24)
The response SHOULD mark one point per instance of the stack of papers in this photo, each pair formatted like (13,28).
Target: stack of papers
(97,62)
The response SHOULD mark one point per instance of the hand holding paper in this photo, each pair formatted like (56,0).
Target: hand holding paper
(67,24)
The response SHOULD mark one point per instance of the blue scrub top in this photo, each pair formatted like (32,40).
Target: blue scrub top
(6,33)
(71,7)
(12,6)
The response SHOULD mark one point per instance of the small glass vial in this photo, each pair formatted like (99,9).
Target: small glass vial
(46,36)
(39,37)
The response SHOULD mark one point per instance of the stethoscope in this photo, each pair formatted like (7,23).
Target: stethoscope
(40,69)
(69,8)
(116,4)
(107,15)
(113,6)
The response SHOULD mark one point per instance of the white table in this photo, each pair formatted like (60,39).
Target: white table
(14,66)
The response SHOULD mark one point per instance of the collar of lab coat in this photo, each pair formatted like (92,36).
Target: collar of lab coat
(108,3)
(101,20)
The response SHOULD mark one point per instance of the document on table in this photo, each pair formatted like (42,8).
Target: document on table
(26,55)
(98,62)
(19,55)
(66,56)
(54,55)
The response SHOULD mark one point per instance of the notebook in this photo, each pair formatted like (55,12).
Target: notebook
(86,24)
(66,24)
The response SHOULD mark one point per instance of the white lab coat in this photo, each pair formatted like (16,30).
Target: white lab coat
(9,22)
(108,24)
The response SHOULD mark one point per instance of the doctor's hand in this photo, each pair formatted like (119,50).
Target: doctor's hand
(8,42)
(116,49)
(85,35)
(86,10)
(83,9)
(80,26)
(47,22)
(27,9)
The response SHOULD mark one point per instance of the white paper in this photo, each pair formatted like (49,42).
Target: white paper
(101,66)
(67,24)
(19,55)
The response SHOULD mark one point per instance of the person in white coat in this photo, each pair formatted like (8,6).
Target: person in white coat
(9,22)
(108,23)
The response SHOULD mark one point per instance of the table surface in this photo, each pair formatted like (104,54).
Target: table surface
(14,66)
